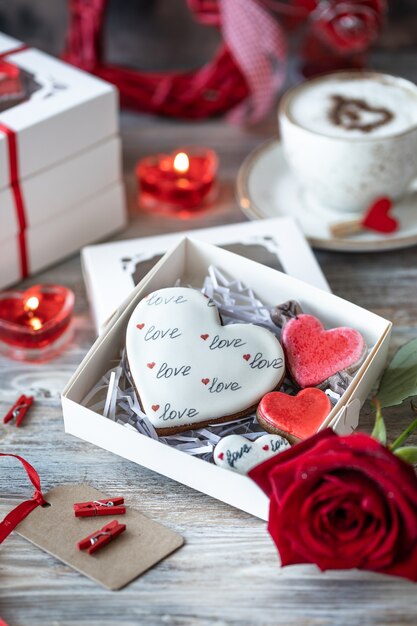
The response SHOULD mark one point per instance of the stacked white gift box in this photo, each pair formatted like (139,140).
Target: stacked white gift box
(60,163)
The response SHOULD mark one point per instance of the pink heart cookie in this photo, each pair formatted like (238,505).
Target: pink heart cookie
(313,354)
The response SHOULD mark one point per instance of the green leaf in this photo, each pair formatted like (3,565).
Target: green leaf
(407,454)
(404,435)
(400,377)
(379,432)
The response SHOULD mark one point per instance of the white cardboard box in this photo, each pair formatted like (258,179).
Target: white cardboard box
(70,112)
(112,270)
(189,261)
(91,220)
(62,187)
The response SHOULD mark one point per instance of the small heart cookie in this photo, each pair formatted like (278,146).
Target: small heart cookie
(239,454)
(313,354)
(294,417)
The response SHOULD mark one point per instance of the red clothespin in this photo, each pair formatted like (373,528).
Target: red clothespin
(19,410)
(100,538)
(99,507)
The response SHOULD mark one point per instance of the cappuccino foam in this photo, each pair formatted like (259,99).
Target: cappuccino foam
(354,107)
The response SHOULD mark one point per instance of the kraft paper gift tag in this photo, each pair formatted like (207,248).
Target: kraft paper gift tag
(57,531)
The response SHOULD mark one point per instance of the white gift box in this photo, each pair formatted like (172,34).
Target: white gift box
(61,188)
(70,112)
(112,270)
(60,158)
(64,234)
(189,261)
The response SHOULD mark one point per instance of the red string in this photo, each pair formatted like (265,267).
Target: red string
(14,181)
(19,513)
(20,48)
(18,196)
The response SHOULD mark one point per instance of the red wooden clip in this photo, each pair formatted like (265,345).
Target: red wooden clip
(99,507)
(19,410)
(100,538)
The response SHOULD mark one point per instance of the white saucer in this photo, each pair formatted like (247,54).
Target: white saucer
(266,188)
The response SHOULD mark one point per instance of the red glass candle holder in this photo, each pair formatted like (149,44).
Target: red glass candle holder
(35,324)
(179,183)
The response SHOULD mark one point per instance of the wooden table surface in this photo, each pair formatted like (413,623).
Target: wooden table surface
(228,572)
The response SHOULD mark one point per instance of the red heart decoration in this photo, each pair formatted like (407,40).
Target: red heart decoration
(377,218)
(221,456)
(294,417)
(205,381)
(140,326)
(265,447)
(246,357)
(204,337)
(314,354)
(155,407)
(151,365)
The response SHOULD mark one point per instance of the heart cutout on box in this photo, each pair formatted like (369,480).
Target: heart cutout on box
(197,382)
(239,454)
(294,417)
(313,354)
(378,218)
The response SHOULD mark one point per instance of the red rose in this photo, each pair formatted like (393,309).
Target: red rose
(342,502)
(348,27)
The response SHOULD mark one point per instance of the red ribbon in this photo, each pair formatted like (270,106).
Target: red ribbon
(14,182)
(22,510)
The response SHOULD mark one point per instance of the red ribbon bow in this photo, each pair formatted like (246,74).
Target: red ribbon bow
(23,509)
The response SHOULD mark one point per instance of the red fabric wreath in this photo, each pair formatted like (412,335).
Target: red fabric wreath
(243,77)
(342,502)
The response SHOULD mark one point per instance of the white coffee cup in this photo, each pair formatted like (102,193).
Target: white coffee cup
(350,137)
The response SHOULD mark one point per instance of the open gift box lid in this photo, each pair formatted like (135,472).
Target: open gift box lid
(189,261)
(65,112)
(112,270)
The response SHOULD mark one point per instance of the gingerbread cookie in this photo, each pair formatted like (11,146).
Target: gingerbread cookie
(189,370)
(314,354)
(239,454)
(294,417)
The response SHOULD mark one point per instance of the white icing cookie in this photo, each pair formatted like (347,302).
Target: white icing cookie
(238,454)
(188,369)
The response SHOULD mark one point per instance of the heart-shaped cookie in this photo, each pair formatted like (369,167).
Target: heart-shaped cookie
(196,371)
(313,354)
(239,454)
(294,417)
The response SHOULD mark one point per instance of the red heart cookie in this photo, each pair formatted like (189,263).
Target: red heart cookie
(294,417)
(377,217)
(313,354)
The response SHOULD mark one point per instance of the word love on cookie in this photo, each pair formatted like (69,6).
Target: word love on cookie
(189,370)
(239,454)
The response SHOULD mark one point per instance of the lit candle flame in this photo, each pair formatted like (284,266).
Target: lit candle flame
(35,323)
(32,303)
(181,163)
